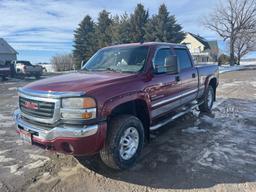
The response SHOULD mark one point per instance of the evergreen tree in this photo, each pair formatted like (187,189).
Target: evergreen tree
(138,22)
(103,29)
(84,44)
(115,30)
(125,29)
(121,29)
(163,27)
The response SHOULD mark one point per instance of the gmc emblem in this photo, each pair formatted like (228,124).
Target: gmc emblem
(30,105)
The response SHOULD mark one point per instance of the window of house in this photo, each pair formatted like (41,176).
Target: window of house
(183,58)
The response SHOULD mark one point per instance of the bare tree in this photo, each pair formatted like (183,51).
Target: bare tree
(63,62)
(231,19)
(245,43)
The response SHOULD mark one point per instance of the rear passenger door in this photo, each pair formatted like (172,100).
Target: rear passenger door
(188,76)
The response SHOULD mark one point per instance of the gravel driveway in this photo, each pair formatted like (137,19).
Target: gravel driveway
(197,152)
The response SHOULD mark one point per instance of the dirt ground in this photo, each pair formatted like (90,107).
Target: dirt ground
(197,152)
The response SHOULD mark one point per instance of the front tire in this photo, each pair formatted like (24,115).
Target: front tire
(208,100)
(124,142)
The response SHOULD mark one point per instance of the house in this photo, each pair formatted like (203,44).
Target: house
(201,49)
(7,53)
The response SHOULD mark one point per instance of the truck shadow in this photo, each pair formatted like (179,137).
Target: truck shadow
(195,151)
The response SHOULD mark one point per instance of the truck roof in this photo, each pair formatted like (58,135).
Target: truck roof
(149,44)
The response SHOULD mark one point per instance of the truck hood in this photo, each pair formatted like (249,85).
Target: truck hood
(79,81)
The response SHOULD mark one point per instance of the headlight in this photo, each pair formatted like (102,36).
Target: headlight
(78,108)
(79,103)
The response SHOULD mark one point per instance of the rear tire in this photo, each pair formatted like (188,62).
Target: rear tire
(124,142)
(208,100)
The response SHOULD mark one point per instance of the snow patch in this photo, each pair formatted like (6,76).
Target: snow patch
(4,159)
(3,117)
(4,151)
(253,83)
(36,164)
(225,69)
(194,130)
(12,88)
(36,157)
(40,161)
(14,169)
(7,124)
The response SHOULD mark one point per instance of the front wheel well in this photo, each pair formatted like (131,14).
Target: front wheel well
(137,108)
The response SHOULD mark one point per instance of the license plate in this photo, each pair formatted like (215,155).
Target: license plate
(26,136)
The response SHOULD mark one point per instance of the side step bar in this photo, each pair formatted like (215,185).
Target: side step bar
(157,126)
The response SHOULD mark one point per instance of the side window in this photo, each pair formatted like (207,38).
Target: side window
(160,58)
(183,58)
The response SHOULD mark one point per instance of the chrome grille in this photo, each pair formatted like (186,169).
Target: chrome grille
(41,109)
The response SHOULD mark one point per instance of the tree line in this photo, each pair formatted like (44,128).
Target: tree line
(136,27)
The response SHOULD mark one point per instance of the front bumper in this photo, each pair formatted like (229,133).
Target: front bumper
(73,140)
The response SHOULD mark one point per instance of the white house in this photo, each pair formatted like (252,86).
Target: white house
(201,49)
(7,53)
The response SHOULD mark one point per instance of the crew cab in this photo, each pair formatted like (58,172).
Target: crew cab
(110,106)
(26,69)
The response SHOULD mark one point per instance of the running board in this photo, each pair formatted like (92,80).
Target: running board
(157,126)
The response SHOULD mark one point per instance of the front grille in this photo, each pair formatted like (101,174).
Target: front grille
(40,109)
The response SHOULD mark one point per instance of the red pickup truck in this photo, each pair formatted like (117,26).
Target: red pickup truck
(109,107)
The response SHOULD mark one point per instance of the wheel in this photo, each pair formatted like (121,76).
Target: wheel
(124,142)
(208,99)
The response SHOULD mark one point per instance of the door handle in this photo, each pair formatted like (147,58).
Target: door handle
(193,75)
(177,78)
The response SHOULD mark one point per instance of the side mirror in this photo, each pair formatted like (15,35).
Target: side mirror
(170,65)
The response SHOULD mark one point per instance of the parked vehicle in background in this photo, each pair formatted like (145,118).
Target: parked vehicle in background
(26,69)
(4,71)
(121,94)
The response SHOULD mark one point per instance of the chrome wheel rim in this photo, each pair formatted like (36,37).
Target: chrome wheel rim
(129,143)
(210,99)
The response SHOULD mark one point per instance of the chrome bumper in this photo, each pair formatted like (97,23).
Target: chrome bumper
(43,133)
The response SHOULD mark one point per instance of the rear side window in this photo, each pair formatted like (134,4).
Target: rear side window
(160,57)
(183,58)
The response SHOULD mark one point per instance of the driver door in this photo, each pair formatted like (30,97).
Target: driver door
(165,88)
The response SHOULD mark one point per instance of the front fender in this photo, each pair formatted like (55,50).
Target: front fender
(113,102)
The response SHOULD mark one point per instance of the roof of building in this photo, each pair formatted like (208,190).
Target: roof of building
(201,40)
(6,48)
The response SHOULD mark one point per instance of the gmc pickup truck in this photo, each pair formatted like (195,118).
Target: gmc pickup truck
(26,69)
(109,107)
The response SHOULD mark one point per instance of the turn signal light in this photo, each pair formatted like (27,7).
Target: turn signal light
(89,103)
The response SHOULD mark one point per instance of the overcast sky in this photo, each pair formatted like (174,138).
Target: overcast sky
(41,29)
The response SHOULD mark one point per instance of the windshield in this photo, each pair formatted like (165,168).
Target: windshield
(119,59)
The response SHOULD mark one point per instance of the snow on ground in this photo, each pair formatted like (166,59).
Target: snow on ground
(225,69)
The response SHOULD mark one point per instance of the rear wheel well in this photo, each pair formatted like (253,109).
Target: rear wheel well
(213,84)
(137,108)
